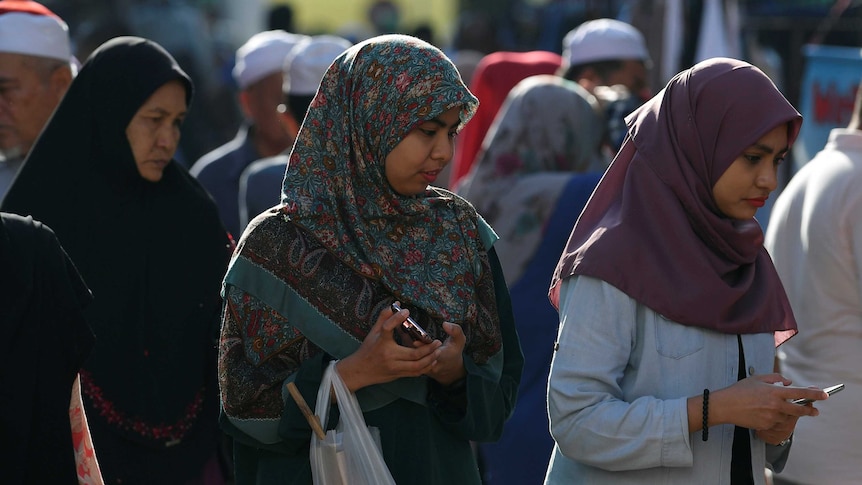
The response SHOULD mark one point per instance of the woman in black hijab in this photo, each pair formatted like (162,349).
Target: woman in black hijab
(148,241)
(44,338)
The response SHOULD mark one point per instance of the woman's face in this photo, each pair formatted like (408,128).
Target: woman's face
(418,159)
(746,184)
(154,131)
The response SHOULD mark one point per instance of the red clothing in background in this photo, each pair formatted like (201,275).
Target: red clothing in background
(496,74)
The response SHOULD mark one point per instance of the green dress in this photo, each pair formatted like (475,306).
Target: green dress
(423,443)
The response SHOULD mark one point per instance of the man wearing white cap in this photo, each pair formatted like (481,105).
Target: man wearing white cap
(260,184)
(258,76)
(609,58)
(607,52)
(35,72)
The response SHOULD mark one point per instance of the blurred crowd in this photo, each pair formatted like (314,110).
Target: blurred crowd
(203,37)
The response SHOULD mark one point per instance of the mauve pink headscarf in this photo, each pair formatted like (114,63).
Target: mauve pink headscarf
(652,228)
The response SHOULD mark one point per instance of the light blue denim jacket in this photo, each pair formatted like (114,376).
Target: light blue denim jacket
(618,387)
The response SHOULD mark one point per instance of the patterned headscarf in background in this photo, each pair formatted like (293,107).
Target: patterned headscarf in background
(424,248)
(547,130)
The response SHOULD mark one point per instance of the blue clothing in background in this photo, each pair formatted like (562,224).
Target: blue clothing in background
(219,172)
(8,170)
(260,186)
(521,455)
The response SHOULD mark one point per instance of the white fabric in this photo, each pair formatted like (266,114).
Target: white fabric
(306,64)
(602,40)
(35,35)
(815,238)
(618,390)
(263,54)
(672,44)
(719,31)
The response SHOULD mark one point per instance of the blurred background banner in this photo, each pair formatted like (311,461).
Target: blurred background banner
(829,84)
(318,16)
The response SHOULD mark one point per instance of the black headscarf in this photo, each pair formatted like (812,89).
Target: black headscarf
(153,254)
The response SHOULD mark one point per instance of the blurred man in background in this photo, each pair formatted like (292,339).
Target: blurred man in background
(815,239)
(260,184)
(258,75)
(607,52)
(609,58)
(36,68)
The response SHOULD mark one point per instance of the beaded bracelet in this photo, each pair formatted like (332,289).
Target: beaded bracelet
(705,431)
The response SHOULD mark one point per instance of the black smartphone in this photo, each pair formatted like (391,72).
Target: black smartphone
(829,390)
(413,329)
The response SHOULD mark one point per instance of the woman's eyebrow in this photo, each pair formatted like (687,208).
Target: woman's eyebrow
(441,123)
(767,148)
(164,112)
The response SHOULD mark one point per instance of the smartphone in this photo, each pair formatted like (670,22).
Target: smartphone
(413,329)
(829,390)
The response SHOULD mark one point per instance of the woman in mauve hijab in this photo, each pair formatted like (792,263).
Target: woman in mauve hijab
(148,241)
(670,308)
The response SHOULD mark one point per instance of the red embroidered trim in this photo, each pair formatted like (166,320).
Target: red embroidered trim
(173,433)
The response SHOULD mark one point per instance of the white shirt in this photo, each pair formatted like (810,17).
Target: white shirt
(815,239)
(618,390)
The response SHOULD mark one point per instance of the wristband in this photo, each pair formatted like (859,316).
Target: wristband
(705,431)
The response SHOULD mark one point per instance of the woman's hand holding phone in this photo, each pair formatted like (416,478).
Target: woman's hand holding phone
(381,359)
(828,390)
(781,431)
(411,328)
(450,364)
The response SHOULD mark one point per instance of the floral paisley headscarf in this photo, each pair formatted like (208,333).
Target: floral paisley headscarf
(313,274)
(547,131)
(335,187)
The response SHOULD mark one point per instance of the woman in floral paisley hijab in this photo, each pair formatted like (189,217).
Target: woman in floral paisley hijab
(359,227)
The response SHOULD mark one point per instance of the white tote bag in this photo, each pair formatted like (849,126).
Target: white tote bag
(349,454)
